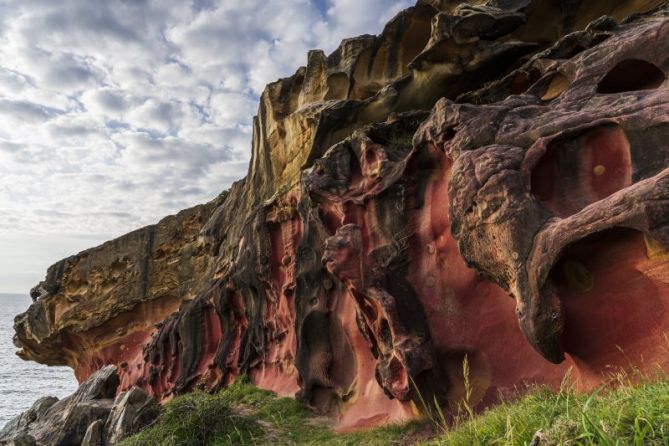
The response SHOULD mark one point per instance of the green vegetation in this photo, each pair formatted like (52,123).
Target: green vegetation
(199,419)
(622,415)
(245,415)
(223,195)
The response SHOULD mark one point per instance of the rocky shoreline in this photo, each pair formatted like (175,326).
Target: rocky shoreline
(95,415)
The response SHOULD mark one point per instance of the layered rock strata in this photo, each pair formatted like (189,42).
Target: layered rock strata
(95,307)
(400,190)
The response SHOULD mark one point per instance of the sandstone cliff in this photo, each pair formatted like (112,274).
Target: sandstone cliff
(94,303)
(484,180)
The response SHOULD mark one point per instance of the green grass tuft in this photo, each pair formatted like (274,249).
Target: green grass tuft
(199,419)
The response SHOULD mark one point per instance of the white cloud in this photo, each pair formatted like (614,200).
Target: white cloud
(106,101)
(349,17)
(114,113)
(20,112)
(227,107)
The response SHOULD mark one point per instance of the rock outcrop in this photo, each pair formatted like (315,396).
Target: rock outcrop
(92,416)
(95,307)
(400,190)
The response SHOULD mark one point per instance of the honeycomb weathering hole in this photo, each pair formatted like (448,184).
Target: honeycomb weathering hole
(558,84)
(580,170)
(614,295)
(631,75)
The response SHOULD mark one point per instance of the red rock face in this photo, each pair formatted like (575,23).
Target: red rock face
(583,170)
(519,227)
(555,200)
(422,308)
(614,295)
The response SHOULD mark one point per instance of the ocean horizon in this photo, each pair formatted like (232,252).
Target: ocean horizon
(23,382)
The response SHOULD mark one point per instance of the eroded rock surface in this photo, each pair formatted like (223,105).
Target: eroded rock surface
(562,199)
(400,190)
(94,308)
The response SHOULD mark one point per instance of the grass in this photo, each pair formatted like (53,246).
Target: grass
(199,419)
(624,414)
(620,415)
(245,415)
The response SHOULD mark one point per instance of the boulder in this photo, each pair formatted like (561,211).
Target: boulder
(64,422)
(92,416)
(94,435)
(132,411)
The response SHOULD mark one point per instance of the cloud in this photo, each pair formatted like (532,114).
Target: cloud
(114,113)
(106,101)
(11,81)
(156,114)
(10,147)
(25,111)
(370,15)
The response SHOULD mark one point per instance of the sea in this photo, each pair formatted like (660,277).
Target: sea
(22,382)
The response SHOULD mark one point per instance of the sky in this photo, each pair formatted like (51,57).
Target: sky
(116,113)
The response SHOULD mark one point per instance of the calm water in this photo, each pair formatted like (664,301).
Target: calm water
(22,382)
